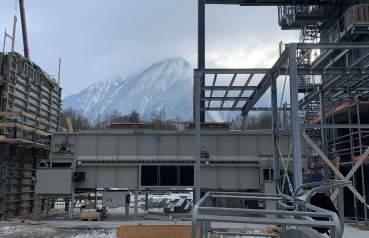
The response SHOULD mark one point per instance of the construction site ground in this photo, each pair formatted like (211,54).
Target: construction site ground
(60,225)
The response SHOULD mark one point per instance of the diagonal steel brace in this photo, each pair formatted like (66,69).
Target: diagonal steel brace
(326,160)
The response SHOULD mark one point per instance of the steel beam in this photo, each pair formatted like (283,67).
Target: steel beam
(243,90)
(225,98)
(322,71)
(237,71)
(358,60)
(270,2)
(322,57)
(295,123)
(336,80)
(257,94)
(335,59)
(304,56)
(223,88)
(226,93)
(356,126)
(338,45)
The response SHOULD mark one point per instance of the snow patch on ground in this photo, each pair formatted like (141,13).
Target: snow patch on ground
(98,234)
(10,229)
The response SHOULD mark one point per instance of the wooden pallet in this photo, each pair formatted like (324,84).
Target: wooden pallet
(90,219)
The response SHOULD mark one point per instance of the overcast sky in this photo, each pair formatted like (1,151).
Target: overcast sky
(99,40)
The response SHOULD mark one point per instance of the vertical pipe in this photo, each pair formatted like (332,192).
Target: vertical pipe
(295,124)
(201,48)
(324,138)
(59,72)
(198,77)
(361,166)
(14,29)
(24,28)
(276,165)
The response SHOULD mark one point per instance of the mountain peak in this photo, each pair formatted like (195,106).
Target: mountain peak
(145,91)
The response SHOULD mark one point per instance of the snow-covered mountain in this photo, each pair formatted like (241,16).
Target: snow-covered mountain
(167,84)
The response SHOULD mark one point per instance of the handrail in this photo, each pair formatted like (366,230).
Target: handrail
(202,213)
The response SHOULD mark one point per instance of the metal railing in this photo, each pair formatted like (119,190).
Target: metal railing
(345,24)
(203,214)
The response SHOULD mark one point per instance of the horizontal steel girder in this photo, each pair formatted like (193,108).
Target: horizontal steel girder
(271,2)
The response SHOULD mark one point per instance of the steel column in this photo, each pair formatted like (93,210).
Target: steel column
(295,123)
(324,136)
(244,122)
(276,168)
(201,48)
(198,80)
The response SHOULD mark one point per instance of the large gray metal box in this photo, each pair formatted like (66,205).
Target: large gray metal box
(114,198)
(54,181)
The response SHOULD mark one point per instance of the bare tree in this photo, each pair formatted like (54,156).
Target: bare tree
(162,123)
(79,121)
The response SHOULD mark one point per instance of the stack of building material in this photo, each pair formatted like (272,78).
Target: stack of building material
(168,208)
(180,205)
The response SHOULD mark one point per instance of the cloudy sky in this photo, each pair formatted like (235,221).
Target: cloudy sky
(99,40)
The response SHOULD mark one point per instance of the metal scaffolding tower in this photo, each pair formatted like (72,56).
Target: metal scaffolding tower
(329,90)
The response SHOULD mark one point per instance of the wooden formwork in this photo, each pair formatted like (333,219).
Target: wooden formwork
(155,231)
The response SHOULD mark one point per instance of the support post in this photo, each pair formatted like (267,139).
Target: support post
(146,202)
(37,206)
(201,48)
(295,123)
(72,203)
(276,166)
(198,79)
(136,205)
(47,207)
(244,122)
(324,135)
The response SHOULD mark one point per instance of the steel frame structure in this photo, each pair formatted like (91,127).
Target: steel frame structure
(341,62)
